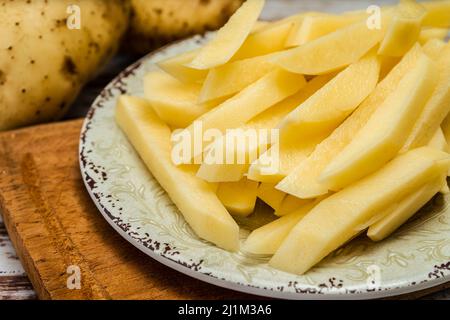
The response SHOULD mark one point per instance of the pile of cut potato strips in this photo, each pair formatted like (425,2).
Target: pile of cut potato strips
(359,103)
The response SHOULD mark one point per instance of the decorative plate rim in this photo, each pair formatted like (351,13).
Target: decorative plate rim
(400,289)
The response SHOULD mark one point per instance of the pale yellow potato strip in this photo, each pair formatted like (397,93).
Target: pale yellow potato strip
(439,141)
(314,26)
(195,198)
(268,39)
(438,14)
(332,51)
(229,38)
(432,33)
(333,103)
(404,29)
(340,217)
(386,131)
(268,119)
(253,100)
(291,204)
(317,117)
(267,239)
(175,102)
(433,48)
(235,76)
(176,67)
(399,213)
(437,107)
(303,181)
(270,195)
(289,155)
(446,128)
(238,197)
(290,152)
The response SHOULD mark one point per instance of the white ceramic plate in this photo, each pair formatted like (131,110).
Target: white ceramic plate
(416,257)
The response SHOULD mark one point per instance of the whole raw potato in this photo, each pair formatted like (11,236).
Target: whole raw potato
(43,62)
(157,22)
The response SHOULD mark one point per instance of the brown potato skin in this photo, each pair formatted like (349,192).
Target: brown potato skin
(44,64)
(157,22)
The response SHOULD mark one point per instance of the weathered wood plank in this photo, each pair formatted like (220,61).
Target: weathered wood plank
(16,288)
(9,263)
(13,282)
(54,225)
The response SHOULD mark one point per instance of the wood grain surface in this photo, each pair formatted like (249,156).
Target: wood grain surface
(53,224)
(14,283)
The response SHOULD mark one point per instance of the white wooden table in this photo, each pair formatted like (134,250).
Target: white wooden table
(14,283)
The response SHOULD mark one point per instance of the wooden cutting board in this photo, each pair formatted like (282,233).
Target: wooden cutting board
(53,224)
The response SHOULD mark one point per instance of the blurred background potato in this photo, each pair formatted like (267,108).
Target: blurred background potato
(157,22)
(44,64)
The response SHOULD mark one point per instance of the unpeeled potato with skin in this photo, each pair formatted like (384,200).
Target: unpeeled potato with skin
(43,63)
(157,22)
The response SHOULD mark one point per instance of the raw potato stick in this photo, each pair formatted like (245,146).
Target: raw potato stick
(195,198)
(230,37)
(340,217)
